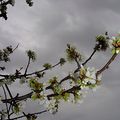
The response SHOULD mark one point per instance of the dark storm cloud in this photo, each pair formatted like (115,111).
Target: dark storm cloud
(48,26)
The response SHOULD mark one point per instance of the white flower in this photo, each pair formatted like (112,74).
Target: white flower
(90,78)
(82,66)
(82,87)
(117,51)
(85,81)
(92,81)
(110,43)
(99,77)
(51,106)
(90,75)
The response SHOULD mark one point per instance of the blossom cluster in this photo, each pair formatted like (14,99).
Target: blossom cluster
(114,44)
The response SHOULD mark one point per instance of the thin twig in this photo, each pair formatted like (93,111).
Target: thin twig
(86,60)
(27,66)
(29,74)
(78,64)
(8,90)
(64,79)
(42,70)
(6,103)
(15,48)
(25,116)
(89,57)
(71,90)
(17,99)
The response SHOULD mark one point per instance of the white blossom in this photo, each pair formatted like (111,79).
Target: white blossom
(90,75)
(50,105)
(117,51)
(110,43)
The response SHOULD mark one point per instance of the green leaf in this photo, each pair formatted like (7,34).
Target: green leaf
(57,89)
(34,84)
(72,54)
(16,108)
(36,96)
(31,117)
(82,73)
(47,65)
(62,61)
(100,38)
(113,51)
(76,97)
(31,55)
(66,96)
(53,80)
(101,43)
(39,74)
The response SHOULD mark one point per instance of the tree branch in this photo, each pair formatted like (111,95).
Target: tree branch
(42,70)
(89,57)
(86,60)
(15,48)
(29,74)
(8,90)
(27,67)
(64,79)
(15,118)
(106,66)
(6,103)
(66,91)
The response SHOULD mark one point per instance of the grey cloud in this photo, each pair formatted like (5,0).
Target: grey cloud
(47,27)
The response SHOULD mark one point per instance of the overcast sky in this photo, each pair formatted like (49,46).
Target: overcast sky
(47,27)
